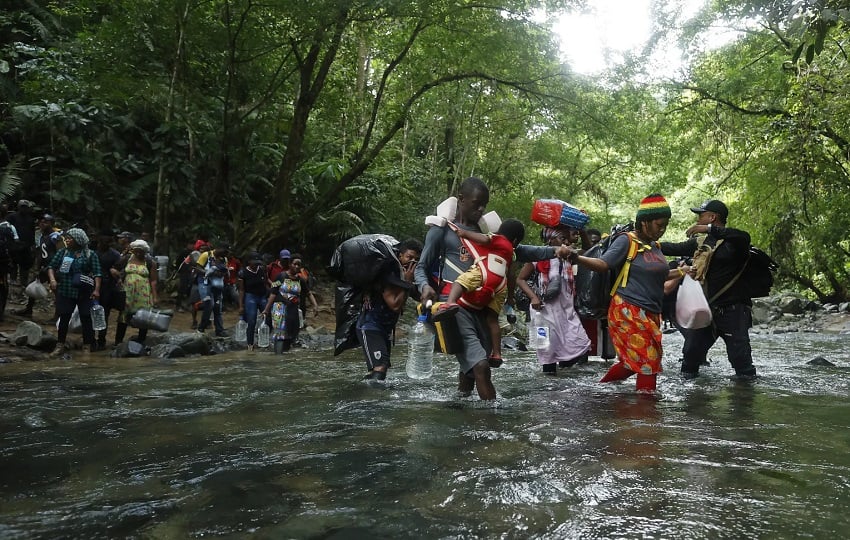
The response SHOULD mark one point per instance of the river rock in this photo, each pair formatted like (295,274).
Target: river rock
(765,313)
(129,349)
(513,343)
(190,342)
(167,350)
(792,304)
(844,307)
(32,335)
(820,361)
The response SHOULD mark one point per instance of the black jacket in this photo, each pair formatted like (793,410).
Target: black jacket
(729,258)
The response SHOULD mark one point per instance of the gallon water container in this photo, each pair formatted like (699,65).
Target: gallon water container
(241,331)
(262,332)
(420,352)
(98,316)
(162,267)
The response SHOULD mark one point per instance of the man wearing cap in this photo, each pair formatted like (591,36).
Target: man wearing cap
(124,239)
(47,246)
(731,307)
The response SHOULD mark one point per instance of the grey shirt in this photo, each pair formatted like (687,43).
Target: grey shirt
(441,240)
(647,274)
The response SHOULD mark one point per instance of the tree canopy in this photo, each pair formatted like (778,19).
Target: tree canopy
(298,124)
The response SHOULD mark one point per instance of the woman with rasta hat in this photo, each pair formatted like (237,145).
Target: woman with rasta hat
(634,315)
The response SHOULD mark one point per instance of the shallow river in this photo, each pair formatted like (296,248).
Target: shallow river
(297,447)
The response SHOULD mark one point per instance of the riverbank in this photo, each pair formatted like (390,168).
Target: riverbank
(321,325)
(780,314)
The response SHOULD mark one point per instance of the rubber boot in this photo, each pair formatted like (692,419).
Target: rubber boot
(646,383)
(120,331)
(618,372)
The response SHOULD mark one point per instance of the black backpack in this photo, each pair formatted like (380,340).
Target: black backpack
(756,275)
(758,279)
(593,289)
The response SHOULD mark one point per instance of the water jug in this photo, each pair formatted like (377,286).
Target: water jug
(262,332)
(420,352)
(98,316)
(541,330)
(241,331)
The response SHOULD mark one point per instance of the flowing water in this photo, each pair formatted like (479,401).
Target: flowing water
(297,446)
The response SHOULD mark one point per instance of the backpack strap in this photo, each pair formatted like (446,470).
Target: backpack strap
(702,258)
(731,281)
(635,247)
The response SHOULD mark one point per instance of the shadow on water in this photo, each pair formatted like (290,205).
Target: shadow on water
(298,447)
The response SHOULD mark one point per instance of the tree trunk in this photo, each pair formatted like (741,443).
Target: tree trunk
(163,188)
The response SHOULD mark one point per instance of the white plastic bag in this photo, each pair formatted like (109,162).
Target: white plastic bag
(75,326)
(37,290)
(692,309)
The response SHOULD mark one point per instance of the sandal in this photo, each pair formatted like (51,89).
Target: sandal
(445,312)
(494,361)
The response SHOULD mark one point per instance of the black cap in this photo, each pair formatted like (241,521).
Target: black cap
(713,206)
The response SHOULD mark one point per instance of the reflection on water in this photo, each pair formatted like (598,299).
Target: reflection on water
(300,448)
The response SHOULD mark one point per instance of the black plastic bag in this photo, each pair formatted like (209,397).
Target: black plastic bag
(348,301)
(360,260)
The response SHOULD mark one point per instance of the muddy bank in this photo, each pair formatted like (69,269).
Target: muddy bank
(778,314)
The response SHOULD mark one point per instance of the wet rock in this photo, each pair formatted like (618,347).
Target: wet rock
(820,361)
(844,307)
(31,334)
(793,305)
(129,349)
(513,343)
(830,308)
(765,313)
(167,350)
(191,342)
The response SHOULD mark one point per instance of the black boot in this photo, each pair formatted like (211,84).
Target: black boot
(120,332)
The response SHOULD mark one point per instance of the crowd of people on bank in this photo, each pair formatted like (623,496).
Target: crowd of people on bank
(448,269)
(120,273)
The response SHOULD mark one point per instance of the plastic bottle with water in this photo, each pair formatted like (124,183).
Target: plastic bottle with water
(538,331)
(420,352)
(98,316)
(241,331)
(262,331)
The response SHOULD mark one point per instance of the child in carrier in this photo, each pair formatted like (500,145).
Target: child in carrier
(485,284)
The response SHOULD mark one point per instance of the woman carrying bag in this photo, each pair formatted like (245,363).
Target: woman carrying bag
(74,275)
(138,274)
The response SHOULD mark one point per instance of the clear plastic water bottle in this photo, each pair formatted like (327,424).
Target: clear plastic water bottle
(241,331)
(420,352)
(98,316)
(262,331)
(538,331)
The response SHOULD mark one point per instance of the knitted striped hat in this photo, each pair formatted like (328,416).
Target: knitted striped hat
(653,207)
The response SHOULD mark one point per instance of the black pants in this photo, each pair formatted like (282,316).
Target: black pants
(731,323)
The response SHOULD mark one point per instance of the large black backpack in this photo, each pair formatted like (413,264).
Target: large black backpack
(360,260)
(593,289)
(756,275)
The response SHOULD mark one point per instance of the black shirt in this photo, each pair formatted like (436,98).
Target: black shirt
(728,260)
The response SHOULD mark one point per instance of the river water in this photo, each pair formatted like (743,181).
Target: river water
(296,446)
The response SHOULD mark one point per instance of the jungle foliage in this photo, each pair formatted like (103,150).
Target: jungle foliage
(300,123)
